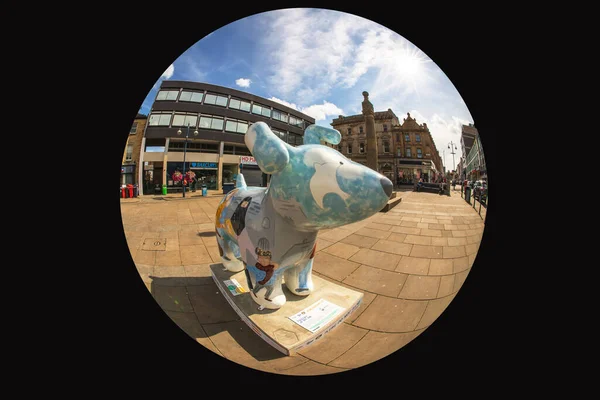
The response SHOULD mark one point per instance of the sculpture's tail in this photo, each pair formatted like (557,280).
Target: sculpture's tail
(240,182)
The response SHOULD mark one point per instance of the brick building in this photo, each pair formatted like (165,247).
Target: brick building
(131,155)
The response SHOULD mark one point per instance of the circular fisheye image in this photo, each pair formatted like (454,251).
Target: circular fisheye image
(303,192)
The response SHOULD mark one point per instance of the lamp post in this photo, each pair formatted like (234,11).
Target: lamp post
(187,135)
(452,147)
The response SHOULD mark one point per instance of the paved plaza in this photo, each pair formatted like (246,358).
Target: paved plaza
(409,263)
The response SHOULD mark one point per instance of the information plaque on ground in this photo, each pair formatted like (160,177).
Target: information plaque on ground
(287,329)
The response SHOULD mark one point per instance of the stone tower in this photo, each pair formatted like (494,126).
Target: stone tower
(369,115)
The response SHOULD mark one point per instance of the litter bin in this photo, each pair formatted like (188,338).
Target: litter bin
(136,192)
(130,190)
(204,191)
(467,194)
(228,187)
(164,190)
(124,191)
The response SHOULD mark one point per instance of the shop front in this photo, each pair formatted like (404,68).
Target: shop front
(252,173)
(206,172)
(127,174)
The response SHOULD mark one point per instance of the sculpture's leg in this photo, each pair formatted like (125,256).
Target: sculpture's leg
(229,252)
(270,295)
(299,279)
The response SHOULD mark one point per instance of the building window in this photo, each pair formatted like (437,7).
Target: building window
(349,149)
(186,95)
(339,148)
(384,127)
(167,95)
(418,137)
(279,133)
(183,119)
(407,152)
(160,119)
(129,152)
(295,140)
(349,131)
(297,122)
(419,153)
(360,129)
(386,146)
(407,138)
(397,137)
(239,105)
(280,116)
(133,129)
(361,148)
(261,110)
(236,126)
(210,122)
(399,152)
(216,100)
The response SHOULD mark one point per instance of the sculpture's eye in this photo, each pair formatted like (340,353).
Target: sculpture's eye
(341,163)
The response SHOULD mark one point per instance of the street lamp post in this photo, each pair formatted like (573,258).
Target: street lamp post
(452,147)
(187,135)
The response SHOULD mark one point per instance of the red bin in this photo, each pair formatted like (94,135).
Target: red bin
(130,187)
(123,192)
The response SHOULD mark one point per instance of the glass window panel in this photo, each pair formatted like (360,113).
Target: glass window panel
(284,118)
(185,96)
(242,127)
(245,106)
(217,123)
(407,138)
(205,122)
(133,128)
(165,119)
(162,95)
(418,138)
(192,119)
(266,112)
(172,94)
(256,109)
(222,101)
(234,103)
(197,97)
(231,126)
(210,99)
(276,115)
(407,152)
(178,120)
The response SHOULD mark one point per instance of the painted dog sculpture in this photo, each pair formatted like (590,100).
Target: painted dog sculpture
(272,232)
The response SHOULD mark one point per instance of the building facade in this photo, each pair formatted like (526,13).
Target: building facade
(130,165)
(406,152)
(214,119)
(475,168)
(467,138)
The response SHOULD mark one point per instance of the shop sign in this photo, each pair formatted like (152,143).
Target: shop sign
(204,165)
(248,160)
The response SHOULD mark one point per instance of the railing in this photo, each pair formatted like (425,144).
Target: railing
(475,201)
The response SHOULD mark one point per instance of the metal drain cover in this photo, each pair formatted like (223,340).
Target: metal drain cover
(156,244)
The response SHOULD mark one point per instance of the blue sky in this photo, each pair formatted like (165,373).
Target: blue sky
(319,62)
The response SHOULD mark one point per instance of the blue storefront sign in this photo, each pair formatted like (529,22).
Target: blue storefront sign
(203,165)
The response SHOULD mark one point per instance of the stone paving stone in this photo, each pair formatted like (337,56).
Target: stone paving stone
(471,259)
(471,248)
(429,220)
(436,226)
(333,267)
(145,271)
(459,234)
(323,244)
(460,264)
(435,308)
(188,322)
(152,235)
(414,239)
(431,232)
(312,368)
(209,240)
(342,250)
(446,285)
(334,344)
(454,251)
(167,258)
(411,219)
(419,287)
(457,241)
(172,244)
(373,233)
(397,237)
(366,301)
(422,225)
(188,238)
(196,254)
(459,279)
(409,224)
(439,241)
(213,251)
(447,234)
(376,280)
(450,227)
(201,218)
(144,257)
(473,239)
(172,272)
(210,305)
(171,298)
(413,265)
(359,240)
(374,346)
(380,226)
(441,267)
(377,259)
(189,228)
(197,271)
(426,251)
(406,230)
(207,227)
(391,315)
(335,235)
(402,249)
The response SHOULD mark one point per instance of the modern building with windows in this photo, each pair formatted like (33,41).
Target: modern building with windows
(215,120)
(130,165)
(474,168)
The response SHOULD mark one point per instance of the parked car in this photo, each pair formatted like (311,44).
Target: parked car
(480,190)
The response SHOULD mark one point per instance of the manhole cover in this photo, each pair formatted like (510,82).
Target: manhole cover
(157,244)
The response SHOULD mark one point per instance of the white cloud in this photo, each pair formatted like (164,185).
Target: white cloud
(318,111)
(243,82)
(168,72)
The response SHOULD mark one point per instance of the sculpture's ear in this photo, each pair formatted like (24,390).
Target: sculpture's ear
(315,133)
(269,151)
